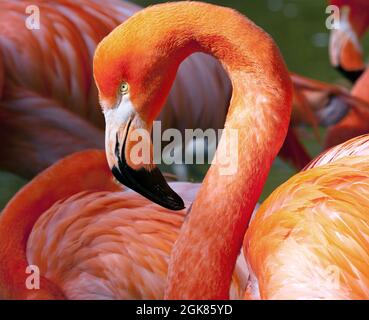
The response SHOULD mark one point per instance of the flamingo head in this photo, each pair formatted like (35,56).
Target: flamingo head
(345,50)
(133,78)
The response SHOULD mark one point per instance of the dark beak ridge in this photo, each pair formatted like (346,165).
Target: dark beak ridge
(150,184)
(350,75)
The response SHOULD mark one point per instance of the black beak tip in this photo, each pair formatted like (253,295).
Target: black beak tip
(150,184)
(350,75)
(175,204)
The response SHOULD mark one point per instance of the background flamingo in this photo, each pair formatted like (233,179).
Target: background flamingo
(230,213)
(12,281)
(345,50)
(40,101)
(356,122)
(60,77)
(59,80)
(311,232)
(347,55)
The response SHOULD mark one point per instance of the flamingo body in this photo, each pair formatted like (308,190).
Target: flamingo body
(356,122)
(103,245)
(344,48)
(309,239)
(60,76)
(312,224)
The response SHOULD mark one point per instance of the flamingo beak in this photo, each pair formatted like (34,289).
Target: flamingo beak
(145,180)
(351,75)
(345,51)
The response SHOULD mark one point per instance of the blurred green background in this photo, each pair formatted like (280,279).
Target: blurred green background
(298,27)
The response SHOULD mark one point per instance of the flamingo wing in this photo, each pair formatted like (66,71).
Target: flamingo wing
(103,245)
(309,240)
(55,62)
(35,136)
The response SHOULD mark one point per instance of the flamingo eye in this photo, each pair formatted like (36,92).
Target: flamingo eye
(124,87)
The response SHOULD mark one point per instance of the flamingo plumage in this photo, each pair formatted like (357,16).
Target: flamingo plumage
(66,236)
(345,51)
(346,55)
(13,282)
(202,260)
(356,122)
(204,256)
(315,103)
(309,239)
(59,79)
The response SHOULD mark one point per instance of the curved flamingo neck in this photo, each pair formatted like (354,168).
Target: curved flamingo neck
(85,170)
(205,253)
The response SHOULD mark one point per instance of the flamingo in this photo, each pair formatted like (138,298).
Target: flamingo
(48,101)
(204,255)
(356,122)
(344,47)
(205,252)
(308,240)
(45,191)
(346,55)
(314,103)
(59,221)
(49,108)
